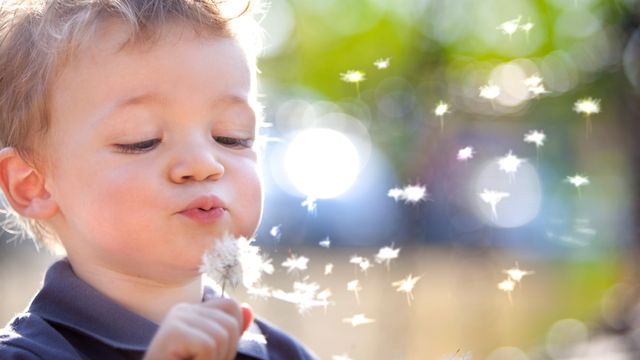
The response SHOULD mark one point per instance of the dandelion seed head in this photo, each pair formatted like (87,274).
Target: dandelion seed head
(352,76)
(587,106)
(221,263)
(253,263)
(535,137)
(358,319)
(441,109)
(294,262)
(489,91)
(465,153)
(382,63)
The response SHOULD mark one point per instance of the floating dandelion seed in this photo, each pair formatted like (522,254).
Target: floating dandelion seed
(324,297)
(325,243)
(578,181)
(357,320)
(489,91)
(507,286)
(411,194)
(328,269)
(303,296)
(510,27)
(406,285)
(354,77)
(355,259)
(296,263)
(492,198)
(310,204)
(276,232)
(534,85)
(365,265)
(354,285)
(587,106)
(516,274)
(465,153)
(382,63)
(386,254)
(527,27)
(261,292)
(510,163)
(441,109)
(535,137)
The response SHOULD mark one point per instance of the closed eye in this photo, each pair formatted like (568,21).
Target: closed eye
(139,147)
(234,142)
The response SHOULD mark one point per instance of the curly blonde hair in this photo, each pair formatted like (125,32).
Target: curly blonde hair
(38,37)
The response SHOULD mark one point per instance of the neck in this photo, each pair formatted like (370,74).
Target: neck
(146,297)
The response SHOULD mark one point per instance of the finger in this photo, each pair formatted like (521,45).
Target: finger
(227,305)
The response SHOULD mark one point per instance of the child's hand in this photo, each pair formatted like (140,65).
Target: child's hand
(210,330)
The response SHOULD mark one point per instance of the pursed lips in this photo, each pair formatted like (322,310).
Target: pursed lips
(205,209)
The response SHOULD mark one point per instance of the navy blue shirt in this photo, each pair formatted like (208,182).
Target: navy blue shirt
(69,319)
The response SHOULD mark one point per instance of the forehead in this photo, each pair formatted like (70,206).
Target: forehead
(176,62)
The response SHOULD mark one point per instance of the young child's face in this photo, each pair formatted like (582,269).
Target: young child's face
(140,138)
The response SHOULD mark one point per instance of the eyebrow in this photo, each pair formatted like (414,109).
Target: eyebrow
(156,98)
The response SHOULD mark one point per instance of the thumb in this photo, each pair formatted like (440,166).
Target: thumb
(247,316)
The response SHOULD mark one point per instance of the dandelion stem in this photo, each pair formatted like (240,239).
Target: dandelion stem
(224,282)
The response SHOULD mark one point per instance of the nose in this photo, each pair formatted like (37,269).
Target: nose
(196,163)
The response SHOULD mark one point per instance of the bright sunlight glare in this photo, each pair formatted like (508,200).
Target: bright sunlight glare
(321,163)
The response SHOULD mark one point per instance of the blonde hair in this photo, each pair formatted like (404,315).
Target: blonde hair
(38,37)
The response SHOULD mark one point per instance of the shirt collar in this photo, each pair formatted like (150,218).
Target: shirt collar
(67,300)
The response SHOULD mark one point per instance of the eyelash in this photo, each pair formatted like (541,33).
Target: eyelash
(148,145)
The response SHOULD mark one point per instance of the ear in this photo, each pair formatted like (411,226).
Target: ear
(23,186)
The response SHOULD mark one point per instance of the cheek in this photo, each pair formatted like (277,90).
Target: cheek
(249,189)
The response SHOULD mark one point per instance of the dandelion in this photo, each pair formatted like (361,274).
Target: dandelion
(535,137)
(510,163)
(325,243)
(516,274)
(507,286)
(411,194)
(233,261)
(310,204)
(328,269)
(578,181)
(587,106)
(465,153)
(294,262)
(441,109)
(354,285)
(358,319)
(222,264)
(492,198)
(382,63)
(386,254)
(355,77)
(510,27)
(490,91)
(406,285)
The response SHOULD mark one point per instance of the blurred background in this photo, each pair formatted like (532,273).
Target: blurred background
(352,92)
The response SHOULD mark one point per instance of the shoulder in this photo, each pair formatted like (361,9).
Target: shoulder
(281,345)
(29,337)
